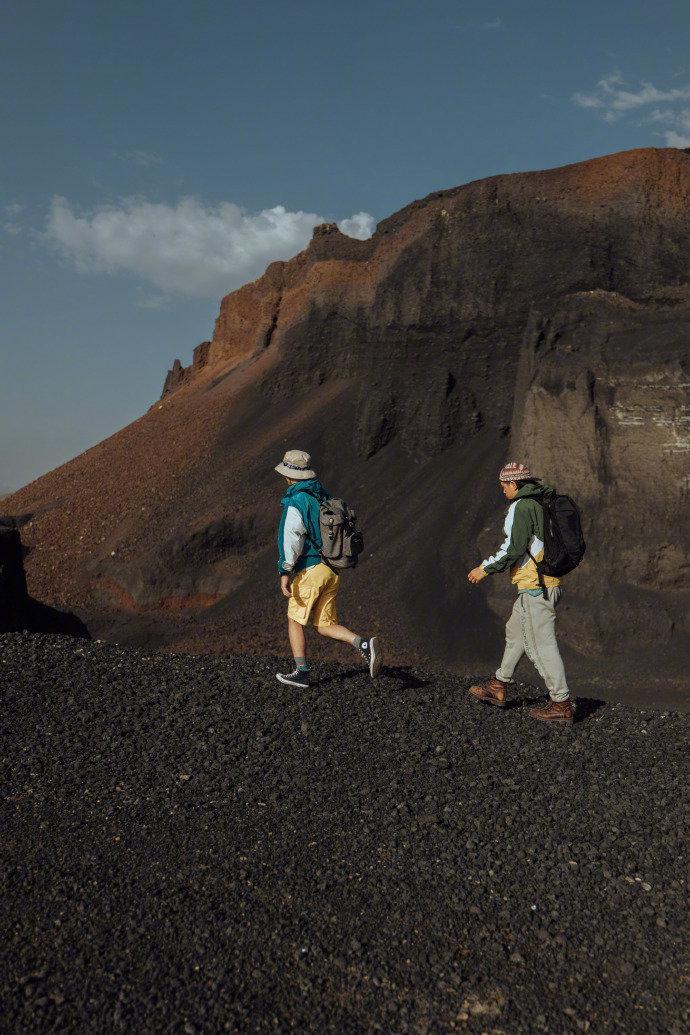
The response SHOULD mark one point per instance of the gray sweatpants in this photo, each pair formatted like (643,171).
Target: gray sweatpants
(531,630)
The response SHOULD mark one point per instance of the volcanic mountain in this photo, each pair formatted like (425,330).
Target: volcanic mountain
(543,316)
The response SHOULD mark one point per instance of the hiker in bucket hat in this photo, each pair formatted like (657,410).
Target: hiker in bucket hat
(306,580)
(531,628)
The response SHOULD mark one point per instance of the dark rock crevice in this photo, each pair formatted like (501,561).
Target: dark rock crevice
(271,329)
(19,611)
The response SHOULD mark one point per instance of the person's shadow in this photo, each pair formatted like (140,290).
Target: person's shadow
(405,677)
(586,707)
(401,674)
(20,612)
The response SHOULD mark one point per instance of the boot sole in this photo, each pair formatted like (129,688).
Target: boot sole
(487,700)
(560,722)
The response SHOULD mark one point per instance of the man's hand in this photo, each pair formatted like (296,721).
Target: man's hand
(285,586)
(476,575)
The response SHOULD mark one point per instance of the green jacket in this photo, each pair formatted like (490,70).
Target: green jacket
(524,535)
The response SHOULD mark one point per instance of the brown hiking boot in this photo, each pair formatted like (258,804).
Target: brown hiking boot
(554,711)
(492,690)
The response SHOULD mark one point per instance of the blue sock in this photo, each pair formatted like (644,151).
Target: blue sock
(302,664)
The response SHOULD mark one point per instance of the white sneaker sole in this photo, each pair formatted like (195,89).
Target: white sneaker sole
(375,657)
(291,682)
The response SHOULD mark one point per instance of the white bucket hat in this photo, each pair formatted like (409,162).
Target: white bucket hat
(296,464)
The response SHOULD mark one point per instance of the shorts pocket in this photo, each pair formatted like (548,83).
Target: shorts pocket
(301,594)
(304,596)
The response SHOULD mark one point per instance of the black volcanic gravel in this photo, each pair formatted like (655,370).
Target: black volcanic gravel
(191,847)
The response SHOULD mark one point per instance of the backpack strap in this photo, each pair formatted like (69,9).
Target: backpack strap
(308,492)
(540,574)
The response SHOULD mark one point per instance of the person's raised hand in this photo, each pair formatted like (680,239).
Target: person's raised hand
(476,575)
(285,586)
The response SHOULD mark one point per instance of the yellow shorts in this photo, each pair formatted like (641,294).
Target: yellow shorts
(313,596)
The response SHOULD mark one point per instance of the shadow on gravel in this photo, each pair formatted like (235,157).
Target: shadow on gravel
(333,677)
(519,702)
(586,707)
(405,677)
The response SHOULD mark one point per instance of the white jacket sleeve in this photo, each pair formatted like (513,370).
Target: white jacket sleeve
(502,551)
(294,533)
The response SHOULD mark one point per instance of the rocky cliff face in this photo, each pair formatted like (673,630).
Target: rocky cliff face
(544,316)
(603,401)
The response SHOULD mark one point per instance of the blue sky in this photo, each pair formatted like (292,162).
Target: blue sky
(158,154)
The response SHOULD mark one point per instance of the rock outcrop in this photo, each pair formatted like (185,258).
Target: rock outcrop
(542,315)
(18,611)
(179,375)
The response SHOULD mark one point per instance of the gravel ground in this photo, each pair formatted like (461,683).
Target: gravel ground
(194,848)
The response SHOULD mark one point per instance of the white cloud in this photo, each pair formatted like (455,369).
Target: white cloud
(188,248)
(13,210)
(674,139)
(361,226)
(587,100)
(613,100)
(495,23)
(678,132)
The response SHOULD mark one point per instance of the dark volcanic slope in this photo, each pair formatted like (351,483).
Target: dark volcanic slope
(192,848)
(543,315)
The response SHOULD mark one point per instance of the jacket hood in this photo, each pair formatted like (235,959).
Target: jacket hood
(312,485)
(534,491)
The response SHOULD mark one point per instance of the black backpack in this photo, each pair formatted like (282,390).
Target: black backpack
(341,540)
(564,543)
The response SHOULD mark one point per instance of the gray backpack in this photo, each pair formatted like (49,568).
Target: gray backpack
(342,542)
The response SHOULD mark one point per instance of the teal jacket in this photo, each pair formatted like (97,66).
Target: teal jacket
(299,535)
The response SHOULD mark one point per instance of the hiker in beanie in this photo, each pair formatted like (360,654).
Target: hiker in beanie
(531,628)
(309,584)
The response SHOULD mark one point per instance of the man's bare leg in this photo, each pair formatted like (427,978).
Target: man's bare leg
(368,649)
(337,632)
(298,641)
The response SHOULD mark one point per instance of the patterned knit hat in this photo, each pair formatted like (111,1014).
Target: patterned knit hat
(515,472)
